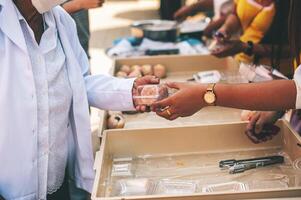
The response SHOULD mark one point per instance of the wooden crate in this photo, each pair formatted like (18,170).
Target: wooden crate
(204,139)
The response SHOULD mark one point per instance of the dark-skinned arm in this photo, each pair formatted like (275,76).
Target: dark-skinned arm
(273,95)
(268,96)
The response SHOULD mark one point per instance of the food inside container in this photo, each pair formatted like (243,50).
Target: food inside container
(148,94)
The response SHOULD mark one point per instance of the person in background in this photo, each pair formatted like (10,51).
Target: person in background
(268,96)
(261,22)
(79,10)
(221,8)
(168,8)
(45,92)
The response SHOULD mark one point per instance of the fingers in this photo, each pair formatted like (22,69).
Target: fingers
(153,79)
(147,80)
(168,113)
(174,117)
(219,52)
(174,85)
(259,126)
(252,122)
(252,137)
(251,127)
(162,104)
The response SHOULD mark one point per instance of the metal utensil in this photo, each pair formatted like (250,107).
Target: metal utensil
(238,166)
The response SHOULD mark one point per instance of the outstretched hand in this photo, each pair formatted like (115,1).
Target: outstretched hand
(146,80)
(185,102)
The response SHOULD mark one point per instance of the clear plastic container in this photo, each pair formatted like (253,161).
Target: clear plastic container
(233,186)
(175,187)
(133,187)
(148,94)
(122,169)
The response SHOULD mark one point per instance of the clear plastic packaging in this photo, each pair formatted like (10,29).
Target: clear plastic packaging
(133,187)
(175,187)
(233,186)
(148,94)
(178,174)
(212,76)
(122,169)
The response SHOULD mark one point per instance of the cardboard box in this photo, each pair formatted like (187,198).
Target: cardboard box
(180,68)
(202,139)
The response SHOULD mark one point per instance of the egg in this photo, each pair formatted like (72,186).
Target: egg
(126,69)
(160,71)
(121,74)
(116,121)
(147,70)
(136,68)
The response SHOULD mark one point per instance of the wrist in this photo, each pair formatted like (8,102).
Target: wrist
(248,48)
(209,95)
(243,47)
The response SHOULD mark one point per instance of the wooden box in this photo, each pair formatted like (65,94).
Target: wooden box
(211,138)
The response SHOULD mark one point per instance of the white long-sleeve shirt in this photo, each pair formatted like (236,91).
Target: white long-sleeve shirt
(54,98)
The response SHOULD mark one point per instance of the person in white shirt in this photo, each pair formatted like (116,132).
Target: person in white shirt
(269,96)
(45,92)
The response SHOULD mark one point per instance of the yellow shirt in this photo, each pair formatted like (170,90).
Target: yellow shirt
(255,21)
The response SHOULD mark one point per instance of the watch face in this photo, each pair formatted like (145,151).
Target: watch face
(209,97)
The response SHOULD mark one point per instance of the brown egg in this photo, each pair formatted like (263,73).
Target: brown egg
(136,68)
(126,69)
(147,70)
(116,121)
(160,71)
(135,74)
(121,74)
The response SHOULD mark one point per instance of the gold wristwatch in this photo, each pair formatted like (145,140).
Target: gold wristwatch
(209,96)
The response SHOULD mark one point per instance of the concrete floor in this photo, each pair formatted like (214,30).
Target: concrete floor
(108,23)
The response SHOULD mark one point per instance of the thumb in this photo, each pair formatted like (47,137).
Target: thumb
(253,121)
(161,104)
(259,126)
(151,79)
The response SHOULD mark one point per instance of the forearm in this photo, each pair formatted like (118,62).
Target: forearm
(231,25)
(72,6)
(273,95)
(213,26)
(203,5)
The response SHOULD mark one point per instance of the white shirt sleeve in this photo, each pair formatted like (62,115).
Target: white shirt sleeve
(297,79)
(110,93)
